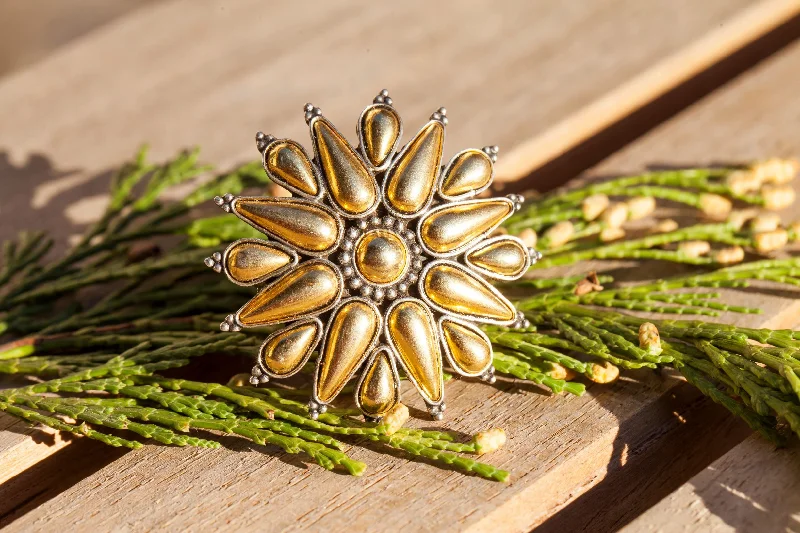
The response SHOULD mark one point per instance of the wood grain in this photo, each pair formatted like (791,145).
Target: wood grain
(86,108)
(754,116)
(181,73)
(177,74)
(754,487)
(658,79)
(32,30)
(559,447)
(24,445)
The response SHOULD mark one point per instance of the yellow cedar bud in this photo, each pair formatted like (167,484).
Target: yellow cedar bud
(395,418)
(490,440)
(239,380)
(714,206)
(277,191)
(664,226)
(739,218)
(777,197)
(559,371)
(776,170)
(769,241)
(765,222)
(729,256)
(500,231)
(743,181)
(605,373)
(528,237)
(559,234)
(611,234)
(640,207)
(592,206)
(649,339)
(694,248)
(615,215)
(588,284)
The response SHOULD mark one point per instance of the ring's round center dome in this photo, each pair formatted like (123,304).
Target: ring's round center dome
(381,256)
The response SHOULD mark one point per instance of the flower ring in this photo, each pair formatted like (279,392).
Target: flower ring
(381,256)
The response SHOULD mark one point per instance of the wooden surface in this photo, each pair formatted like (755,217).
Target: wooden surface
(175,75)
(754,487)
(31,30)
(215,75)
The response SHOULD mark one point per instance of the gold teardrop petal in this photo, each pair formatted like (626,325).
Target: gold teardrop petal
(471,170)
(311,288)
(350,184)
(286,351)
(469,350)
(378,391)
(412,177)
(451,228)
(379,127)
(299,223)
(504,257)
(250,261)
(351,335)
(412,334)
(453,289)
(287,163)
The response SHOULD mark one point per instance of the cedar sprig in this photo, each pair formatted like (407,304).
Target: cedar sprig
(104,356)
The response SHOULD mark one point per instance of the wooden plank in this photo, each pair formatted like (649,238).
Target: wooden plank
(179,74)
(658,79)
(88,106)
(559,447)
(754,117)
(24,445)
(754,487)
(32,30)
(171,92)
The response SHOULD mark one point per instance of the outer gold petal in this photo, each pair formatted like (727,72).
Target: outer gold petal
(287,164)
(379,388)
(286,351)
(351,185)
(467,174)
(311,288)
(411,332)
(504,257)
(411,179)
(352,332)
(467,348)
(252,261)
(379,130)
(451,288)
(451,228)
(302,224)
